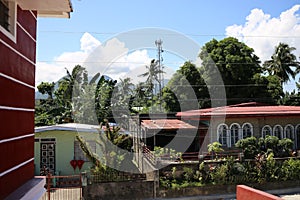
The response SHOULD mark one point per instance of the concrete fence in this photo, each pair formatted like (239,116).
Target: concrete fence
(244,192)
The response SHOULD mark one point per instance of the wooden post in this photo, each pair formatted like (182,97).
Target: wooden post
(48,185)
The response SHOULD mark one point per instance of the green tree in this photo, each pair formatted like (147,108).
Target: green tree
(84,106)
(103,96)
(69,89)
(46,88)
(47,110)
(72,82)
(122,102)
(111,141)
(281,63)
(140,96)
(152,75)
(176,93)
(238,65)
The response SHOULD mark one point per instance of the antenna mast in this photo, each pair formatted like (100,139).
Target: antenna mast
(158,44)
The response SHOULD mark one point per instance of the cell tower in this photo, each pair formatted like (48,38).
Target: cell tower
(158,44)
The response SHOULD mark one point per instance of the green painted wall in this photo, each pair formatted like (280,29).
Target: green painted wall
(64,150)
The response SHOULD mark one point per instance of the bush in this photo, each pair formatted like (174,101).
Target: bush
(249,146)
(188,174)
(271,144)
(290,170)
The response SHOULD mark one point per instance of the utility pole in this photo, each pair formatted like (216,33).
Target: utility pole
(158,44)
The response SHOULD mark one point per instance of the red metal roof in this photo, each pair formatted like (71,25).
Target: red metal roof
(239,110)
(166,124)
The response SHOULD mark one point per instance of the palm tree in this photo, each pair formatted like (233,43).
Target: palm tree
(152,75)
(74,79)
(66,91)
(281,62)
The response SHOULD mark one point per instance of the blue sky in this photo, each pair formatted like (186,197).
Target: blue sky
(61,41)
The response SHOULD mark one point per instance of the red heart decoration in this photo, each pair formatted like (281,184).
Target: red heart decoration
(73,164)
(80,163)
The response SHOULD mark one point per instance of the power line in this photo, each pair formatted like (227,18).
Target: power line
(123,62)
(168,34)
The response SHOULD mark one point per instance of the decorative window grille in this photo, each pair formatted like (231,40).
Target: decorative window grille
(234,137)
(289,132)
(278,131)
(247,130)
(222,135)
(297,137)
(266,130)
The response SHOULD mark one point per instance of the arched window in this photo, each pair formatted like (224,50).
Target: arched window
(297,137)
(278,131)
(234,133)
(266,130)
(289,132)
(222,134)
(247,130)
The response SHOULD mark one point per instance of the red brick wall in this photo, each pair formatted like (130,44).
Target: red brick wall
(17,73)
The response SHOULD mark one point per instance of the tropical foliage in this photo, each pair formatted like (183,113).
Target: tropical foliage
(261,164)
(114,147)
(76,99)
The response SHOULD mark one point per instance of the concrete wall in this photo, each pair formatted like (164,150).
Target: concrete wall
(119,190)
(244,192)
(17,71)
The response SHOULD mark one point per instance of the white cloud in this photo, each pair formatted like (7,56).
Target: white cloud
(88,43)
(111,58)
(53,71)
(263,32)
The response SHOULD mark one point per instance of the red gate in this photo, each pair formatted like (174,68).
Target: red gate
(63,188)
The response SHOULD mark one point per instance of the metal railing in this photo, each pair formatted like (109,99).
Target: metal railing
(63,187)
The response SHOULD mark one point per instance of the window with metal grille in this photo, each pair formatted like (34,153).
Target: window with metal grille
(4,15)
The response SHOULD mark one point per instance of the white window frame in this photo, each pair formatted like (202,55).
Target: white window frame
(297,145)
(263,128)
(238,133)
(293,131)
(281,131)
(251,129)
(12,10)
(218,134)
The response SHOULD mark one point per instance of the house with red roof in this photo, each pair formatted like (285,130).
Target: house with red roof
(18,28)
(228,124)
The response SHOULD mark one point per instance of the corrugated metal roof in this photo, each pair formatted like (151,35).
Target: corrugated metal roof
(252,109)
(69,127)
(166,124)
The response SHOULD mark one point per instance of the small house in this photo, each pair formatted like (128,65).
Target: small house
(57,150)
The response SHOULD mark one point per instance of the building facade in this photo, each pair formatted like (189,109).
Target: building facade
(229,124)
(57,149)
(18,25)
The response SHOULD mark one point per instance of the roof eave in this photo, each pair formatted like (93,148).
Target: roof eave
(48,8)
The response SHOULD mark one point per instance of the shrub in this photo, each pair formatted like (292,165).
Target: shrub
(188,174)
(285,147)
(249,146)
(215,148)
(290,170)
(219,175)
